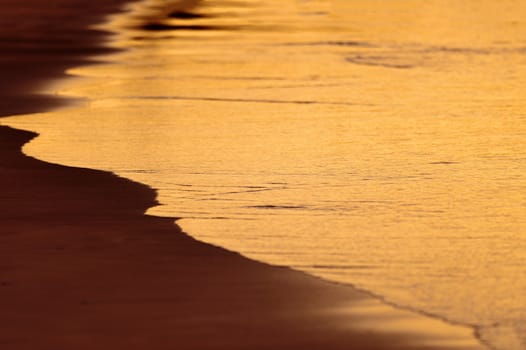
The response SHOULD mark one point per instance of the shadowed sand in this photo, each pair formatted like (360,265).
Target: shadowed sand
(81,267)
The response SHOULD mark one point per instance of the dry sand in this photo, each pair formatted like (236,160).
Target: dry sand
(81,266)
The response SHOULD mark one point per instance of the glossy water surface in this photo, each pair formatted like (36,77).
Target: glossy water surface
(378,143)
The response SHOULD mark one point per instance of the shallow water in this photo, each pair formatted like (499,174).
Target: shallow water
(374,143)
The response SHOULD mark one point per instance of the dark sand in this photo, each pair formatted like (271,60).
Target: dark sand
(81,267)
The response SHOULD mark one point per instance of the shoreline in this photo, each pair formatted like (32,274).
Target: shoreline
(84,264)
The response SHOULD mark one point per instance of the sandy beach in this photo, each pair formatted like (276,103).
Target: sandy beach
(82,267)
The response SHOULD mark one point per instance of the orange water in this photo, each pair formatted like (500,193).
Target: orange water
(378,143)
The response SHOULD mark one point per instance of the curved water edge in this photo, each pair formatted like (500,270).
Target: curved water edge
(373,315)
(239,214)
(200,189)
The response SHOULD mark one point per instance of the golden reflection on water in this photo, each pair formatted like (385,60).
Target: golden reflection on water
(373,315)
(376,143)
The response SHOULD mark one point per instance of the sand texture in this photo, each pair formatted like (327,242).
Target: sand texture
(81,266)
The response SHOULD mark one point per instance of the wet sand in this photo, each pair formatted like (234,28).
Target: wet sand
(82,267)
